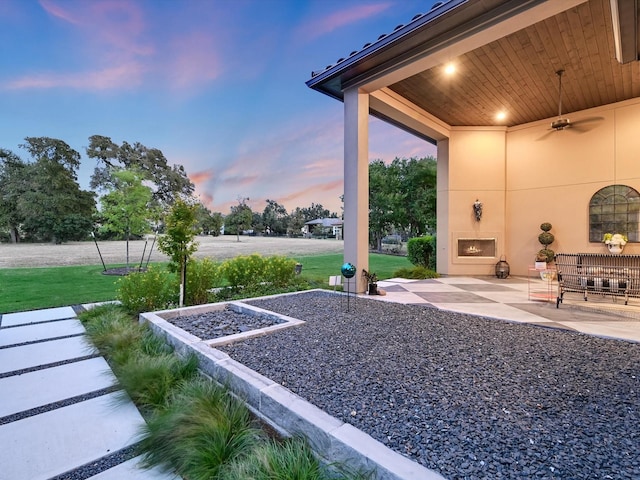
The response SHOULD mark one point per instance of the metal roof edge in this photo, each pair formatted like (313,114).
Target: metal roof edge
(382,43)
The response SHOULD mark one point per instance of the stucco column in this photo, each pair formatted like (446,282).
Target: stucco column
(356,184)
(443,236)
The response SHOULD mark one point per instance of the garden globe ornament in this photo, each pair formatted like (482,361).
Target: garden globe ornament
(348,270)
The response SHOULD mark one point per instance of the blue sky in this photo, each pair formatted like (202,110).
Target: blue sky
(217,85)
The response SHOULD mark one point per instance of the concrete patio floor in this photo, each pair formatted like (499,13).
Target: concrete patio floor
(509,299)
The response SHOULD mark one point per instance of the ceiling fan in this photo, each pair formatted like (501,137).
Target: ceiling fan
(561,122)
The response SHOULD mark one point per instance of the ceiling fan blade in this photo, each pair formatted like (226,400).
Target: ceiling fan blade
(587,120)
(547,135)
(585,124)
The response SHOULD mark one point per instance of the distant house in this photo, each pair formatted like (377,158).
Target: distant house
(326,226)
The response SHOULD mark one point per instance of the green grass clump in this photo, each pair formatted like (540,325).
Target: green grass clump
(144,364)
(201,432)
(289,459)
(415,273)
(150,379)
(113,332)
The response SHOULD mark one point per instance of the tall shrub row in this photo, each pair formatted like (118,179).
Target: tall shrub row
(157,289)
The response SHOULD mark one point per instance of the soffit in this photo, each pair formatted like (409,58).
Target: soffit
(516,73)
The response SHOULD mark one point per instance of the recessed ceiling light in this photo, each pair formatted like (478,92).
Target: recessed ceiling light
(501,116)
(450,69)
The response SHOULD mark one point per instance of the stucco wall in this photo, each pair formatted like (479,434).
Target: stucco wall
(552,175)
(476,171)
(528,175)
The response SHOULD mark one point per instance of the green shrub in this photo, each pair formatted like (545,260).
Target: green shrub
(420,250)
(155,289)
(416,273)
(279,271)
(251,271)
(244,270)
(202,276)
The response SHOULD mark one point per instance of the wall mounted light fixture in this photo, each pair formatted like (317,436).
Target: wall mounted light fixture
(477,209)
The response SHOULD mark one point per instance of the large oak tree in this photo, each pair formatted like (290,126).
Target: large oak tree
(43,196)
(168,182)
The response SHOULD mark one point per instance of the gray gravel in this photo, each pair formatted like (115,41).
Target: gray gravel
(470,397)
(221,323)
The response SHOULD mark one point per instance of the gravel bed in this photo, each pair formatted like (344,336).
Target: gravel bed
(221,323)
(467,396)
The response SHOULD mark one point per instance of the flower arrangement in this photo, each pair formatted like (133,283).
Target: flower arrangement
(615,239)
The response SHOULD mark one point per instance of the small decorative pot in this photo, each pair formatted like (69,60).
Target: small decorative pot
(615,248)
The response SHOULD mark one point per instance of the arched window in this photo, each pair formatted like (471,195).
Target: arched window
(615,209)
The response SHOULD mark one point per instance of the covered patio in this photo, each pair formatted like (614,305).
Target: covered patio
(534,107)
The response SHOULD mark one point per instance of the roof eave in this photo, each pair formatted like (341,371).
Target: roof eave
(329,81)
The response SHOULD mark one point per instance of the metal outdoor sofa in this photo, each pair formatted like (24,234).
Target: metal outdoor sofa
(605,275)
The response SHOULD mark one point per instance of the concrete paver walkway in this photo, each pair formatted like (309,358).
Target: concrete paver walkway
(59,407)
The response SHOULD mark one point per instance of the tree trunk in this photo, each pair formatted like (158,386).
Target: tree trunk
(127,249)
(13,235)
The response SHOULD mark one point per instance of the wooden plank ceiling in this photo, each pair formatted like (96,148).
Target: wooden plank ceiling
(516,74)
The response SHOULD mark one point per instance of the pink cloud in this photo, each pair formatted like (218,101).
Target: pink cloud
(241,180)
(56,10)
(326,193)
(109,33)
(201,177)
(206,199)
(341,18)
(194,60)
(121,76)
(117,41)
(115,24)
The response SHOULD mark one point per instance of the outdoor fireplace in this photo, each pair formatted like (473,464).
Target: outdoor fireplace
(477,247)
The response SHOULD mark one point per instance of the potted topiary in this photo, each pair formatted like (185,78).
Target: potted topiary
(545,255)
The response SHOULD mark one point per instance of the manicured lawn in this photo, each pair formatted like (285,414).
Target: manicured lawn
(34,288)
(320,267)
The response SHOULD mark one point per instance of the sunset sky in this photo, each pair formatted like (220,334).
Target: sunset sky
(217,85)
